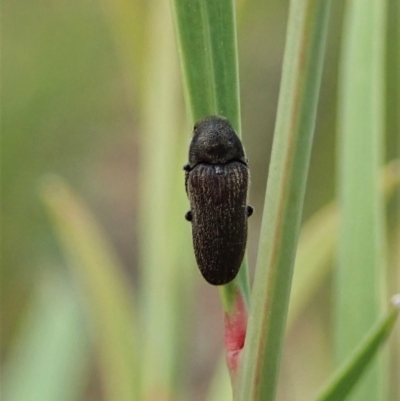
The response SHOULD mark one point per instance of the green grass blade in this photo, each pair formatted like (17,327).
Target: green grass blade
(51,356)
(318,243)
(314,260)
(361,257)
(166,270)
(314,257)
(104,288)
(207,45)
(127,21)
(302,69)
(393,80)
(220,388)
(206,33)
(348,375)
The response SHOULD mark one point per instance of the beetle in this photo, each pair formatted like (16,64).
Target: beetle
(216,182)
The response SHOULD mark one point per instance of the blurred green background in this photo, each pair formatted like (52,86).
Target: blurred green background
(73,93)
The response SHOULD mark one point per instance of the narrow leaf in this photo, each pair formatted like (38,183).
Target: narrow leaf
(314,260)
(220,388)
(318,243)
(349,374)
(208,52)
(127,21)
(307,27)
(166,270)
(50,358)
(206,34)
(361,269)
(103,284)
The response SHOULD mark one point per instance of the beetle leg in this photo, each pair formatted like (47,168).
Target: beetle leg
(249,210)
(189,216)
(186,167)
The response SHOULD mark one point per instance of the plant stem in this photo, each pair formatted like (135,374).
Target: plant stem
(361,271)
(302,68)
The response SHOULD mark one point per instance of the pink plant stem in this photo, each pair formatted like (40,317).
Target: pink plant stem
(235,335)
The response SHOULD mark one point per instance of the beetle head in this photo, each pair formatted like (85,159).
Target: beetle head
(215,142)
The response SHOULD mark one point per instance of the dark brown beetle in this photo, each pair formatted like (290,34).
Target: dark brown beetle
(217,181)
